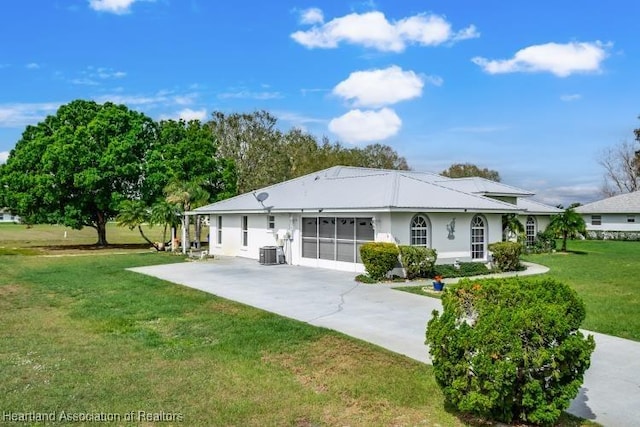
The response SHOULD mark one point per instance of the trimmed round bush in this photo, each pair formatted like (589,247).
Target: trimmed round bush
(379,258)
(506,255)
(417,260)
(510,349)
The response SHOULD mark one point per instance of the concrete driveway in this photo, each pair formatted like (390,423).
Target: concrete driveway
(394,320)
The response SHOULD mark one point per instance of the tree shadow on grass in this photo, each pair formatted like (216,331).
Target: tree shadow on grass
(95,248)
(575,253)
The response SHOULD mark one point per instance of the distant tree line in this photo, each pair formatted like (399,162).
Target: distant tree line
(265,155)
(91,163)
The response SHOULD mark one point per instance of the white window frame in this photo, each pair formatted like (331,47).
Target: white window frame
(631,219)
(219,230)
(420,234)
(271,222)
(478,238)
(244,227)
(596,219)
(531,228)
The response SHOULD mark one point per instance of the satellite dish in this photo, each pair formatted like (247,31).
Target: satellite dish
(261,197)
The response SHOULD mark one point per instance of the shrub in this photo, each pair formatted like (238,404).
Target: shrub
(545,242)
(506,255)
(379,258)
(464,269)
(510,348)
(417,261)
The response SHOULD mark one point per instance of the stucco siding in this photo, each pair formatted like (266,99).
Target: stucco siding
(449,249)
(613,222)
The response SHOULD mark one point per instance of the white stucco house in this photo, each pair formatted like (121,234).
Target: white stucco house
(322,219)
(615,214)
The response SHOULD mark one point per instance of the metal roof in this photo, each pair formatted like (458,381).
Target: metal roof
(623,203)
(534,207)
(477,185)
(342,188)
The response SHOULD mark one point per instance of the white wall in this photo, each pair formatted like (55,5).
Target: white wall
(389,227)
(448,249)
(258,236)
(613,222)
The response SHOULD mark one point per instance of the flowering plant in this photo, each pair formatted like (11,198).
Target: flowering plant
(438,278)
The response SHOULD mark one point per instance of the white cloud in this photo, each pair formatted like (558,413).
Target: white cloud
(434,80)
(188,114)
(372,29)
(20,115)
(311,16)
(247,94)
(92,76)
(559,59)
(571,97)
(32,66)
(4,155)
(118,7)
(358,126)
(377,88)
(565,195)
(107,73)
(134,100)
(85,81)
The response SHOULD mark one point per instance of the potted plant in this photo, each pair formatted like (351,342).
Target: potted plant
(438,284)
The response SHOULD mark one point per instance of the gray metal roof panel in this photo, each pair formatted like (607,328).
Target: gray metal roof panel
(534,207)
(359,188)
(623,203)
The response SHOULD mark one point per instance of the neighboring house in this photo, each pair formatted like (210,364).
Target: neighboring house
(6,216)
(615,214)
(323,218)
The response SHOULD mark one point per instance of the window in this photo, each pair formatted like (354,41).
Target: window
(478,237)
(245,230)
(420,231)
(219,230)
(596,220)
(335,238)
(271,222)
(631,218)
(530,230)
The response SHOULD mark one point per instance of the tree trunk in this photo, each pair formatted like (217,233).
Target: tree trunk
(154,244)
(101,227)
(565,235)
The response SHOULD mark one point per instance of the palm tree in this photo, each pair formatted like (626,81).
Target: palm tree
(511,225)
(166,214)
(567,223)
(134,213)
(187,196)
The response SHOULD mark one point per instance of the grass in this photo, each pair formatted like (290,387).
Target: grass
(81,334)
(606,275)
(117,341)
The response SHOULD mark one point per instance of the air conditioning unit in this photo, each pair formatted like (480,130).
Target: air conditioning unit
(269,255)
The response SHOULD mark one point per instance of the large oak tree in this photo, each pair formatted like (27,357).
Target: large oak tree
(75,167)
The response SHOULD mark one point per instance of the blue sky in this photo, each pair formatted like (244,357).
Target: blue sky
(534,90)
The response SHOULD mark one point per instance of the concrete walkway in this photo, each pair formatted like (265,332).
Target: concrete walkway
(395,320)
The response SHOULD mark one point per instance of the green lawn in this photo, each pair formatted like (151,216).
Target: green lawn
(80,334)
(606,274)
